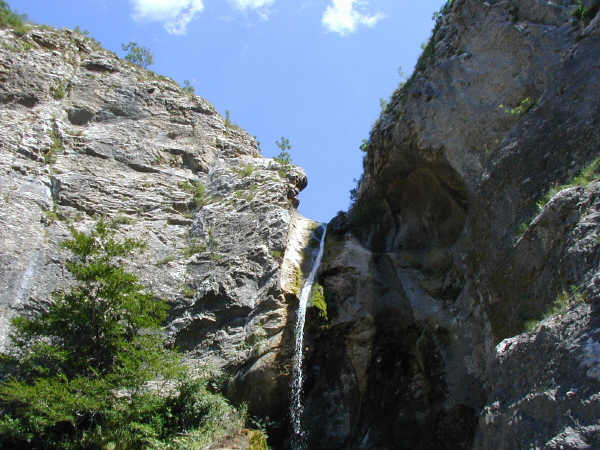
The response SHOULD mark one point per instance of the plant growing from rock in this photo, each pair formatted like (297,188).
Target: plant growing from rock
(138,55)
(9,19)
(284,157)
(55,147)
(523,107)
(590,173)
(91,369)
(59,91)
(560,306)
(188,88)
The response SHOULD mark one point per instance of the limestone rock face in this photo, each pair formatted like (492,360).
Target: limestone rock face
(449,250)
(84,134)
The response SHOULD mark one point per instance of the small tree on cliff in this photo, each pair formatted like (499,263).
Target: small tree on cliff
(80,367)
(137,54)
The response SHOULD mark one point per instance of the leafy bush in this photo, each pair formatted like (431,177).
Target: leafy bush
(9,19)
(137,54)
(91,368)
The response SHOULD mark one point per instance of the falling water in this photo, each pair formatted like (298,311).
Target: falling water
(298,437)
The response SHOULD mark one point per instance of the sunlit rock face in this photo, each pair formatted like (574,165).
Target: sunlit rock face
(84,134)
(448,250)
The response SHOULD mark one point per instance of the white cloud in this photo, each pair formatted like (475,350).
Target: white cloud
(344,16)
(261,7)
(175,14)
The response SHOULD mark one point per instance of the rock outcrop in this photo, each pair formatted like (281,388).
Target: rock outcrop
(437,277)
(84,134)
(461,291)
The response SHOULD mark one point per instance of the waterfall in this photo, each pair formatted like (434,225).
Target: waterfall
(298,437)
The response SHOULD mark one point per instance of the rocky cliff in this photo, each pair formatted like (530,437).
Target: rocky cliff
(460,293)
(463,284)
(84,134)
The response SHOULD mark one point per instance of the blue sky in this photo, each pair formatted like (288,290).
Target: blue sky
(310,70)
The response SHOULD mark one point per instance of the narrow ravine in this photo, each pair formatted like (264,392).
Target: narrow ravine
(298,438)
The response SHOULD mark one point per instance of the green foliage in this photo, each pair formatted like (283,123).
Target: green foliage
(523,107)
(364,145)
(228,123)
(188,292)
(198,191)
(91,369)
(165,260)
(9,19)
(245,171)
(317,300)
(188,88)
(137,54)
(122,220)
(522,228)
(55,147)
(194,248)
(357,181)
(560,306)
(284,157)
(257,440)
(59,91)
(81,31)
(583,14)
(590,173)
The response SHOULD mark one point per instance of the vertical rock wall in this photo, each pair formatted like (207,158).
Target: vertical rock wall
(449,249)
(84,134)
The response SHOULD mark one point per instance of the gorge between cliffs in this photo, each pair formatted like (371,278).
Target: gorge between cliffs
(456,304)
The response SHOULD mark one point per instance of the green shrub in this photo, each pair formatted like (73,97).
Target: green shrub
(9,19)
(91,369)
(137,54)
(198,191)
(59,91)
(229,124)
(284,157)
(364,145)
(246,171)
(583,14)
(188,292)
(55,147)
(188,88)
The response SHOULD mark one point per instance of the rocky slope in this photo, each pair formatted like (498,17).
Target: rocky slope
(438,277)
(84,134)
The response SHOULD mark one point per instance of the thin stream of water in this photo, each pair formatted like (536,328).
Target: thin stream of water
(298,438)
